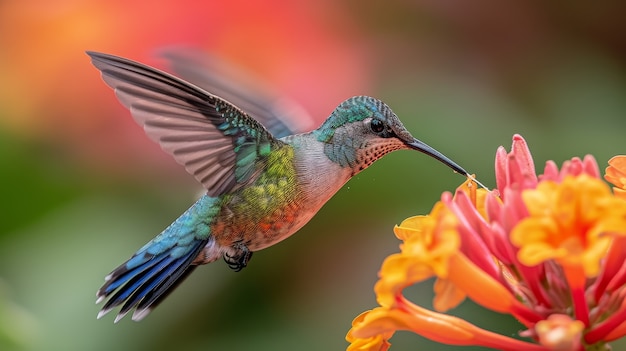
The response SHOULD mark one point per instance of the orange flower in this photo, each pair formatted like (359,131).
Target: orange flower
(378,341)
(549,246)
(372,330)
(616,175)
(429,241)
(571,222)
(560,332)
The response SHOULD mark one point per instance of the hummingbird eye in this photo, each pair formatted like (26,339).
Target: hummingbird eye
(377,125)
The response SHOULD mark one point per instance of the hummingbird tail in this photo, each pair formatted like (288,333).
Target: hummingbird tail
(145,280)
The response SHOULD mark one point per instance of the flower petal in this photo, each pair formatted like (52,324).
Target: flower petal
(560,332)
(377,341)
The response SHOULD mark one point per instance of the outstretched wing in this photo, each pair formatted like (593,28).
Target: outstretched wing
(219,144)
(281,116)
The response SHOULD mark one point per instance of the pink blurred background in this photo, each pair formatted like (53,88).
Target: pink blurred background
(311,51)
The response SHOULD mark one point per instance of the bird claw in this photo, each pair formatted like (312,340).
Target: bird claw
(239,260)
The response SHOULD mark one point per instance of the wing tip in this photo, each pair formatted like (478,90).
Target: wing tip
(97,56)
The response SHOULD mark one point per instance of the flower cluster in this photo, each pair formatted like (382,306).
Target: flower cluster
(549,248)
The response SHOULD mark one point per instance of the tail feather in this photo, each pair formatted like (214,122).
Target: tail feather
(139,283)
(156,285)
(155,297)
(145,279)
(123,274)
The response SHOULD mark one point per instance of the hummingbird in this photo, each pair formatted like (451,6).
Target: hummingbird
(264,180)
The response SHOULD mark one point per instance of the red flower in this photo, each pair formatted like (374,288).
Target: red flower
(548,246)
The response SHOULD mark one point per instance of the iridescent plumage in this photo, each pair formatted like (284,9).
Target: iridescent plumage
(262,184)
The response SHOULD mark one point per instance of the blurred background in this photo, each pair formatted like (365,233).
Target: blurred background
(82,187)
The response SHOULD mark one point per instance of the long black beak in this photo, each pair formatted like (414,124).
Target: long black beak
(421,147)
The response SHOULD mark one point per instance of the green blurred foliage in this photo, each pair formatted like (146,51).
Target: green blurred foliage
(64,226)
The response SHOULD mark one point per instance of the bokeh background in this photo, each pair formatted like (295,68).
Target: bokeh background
(82,188)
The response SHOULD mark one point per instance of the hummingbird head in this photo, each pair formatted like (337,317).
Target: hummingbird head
(363,129)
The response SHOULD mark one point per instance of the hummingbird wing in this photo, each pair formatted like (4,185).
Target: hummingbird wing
(219,144)
(280,115)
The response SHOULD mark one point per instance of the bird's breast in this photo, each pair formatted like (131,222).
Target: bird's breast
(267,210)
(259,221)
(296,183)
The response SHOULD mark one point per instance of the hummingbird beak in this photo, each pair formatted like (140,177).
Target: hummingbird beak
(422,147)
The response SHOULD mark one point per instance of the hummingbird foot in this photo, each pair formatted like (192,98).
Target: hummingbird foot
(240,257)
